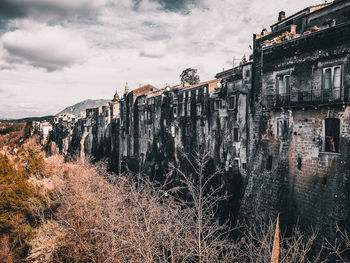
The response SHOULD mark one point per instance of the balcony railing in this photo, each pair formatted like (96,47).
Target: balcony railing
(308,98)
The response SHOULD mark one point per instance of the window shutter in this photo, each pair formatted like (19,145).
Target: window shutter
(337,77)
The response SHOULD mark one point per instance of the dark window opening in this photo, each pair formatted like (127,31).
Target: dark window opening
(235,164)
(324,180)
(299,163)
(332,134)
(235,134)
(244,166)
(269,163)
(232,102)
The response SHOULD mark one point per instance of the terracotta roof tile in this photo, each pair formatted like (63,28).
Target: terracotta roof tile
(144,90)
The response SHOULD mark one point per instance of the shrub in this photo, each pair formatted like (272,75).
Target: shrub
(20,202)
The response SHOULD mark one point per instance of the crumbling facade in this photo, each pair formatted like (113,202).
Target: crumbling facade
(279,122)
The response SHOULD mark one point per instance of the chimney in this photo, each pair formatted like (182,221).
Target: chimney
(264,32)
(281,16)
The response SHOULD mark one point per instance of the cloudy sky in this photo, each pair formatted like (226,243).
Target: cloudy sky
(54,53)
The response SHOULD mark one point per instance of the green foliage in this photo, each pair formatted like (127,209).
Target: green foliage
(189,76)
(20,201)
(32,158)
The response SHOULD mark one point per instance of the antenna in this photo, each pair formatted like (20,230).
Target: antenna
(233,61)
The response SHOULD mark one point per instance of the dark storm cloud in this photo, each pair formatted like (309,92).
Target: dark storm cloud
(22,8)
(10,10)
(171,5)
(176,5)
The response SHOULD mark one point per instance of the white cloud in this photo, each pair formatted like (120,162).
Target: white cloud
(49,47)
(140,45)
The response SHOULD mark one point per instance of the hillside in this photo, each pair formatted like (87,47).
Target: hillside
(80,106)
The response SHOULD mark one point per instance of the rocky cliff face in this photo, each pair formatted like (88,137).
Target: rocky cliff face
(278,126)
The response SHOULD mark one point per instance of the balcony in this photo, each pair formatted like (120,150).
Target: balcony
(308,98)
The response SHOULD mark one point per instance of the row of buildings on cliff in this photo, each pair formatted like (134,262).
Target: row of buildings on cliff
(280,121)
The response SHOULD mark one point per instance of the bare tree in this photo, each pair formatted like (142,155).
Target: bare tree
(127,218)
(208,240)
(256,245)
(340,248)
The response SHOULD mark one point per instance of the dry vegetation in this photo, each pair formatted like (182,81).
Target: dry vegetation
(57,211)
(11,134)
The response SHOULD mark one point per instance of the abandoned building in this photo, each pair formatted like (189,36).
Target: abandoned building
(280,121)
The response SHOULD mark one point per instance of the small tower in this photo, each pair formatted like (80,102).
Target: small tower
(116,97)
(126,88)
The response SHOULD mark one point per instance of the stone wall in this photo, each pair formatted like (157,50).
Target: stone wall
(264,123)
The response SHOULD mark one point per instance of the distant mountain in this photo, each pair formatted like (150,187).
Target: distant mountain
(43,118)
(80,106)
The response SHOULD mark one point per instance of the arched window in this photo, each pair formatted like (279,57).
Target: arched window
(331,135)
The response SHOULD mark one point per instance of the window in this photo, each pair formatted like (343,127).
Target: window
(235,134)
(218,104)
(282,128)
(247,73)
(173,133)
(188,108)
(299,163)
(269,163)
(236,164)
(332,77)
(175,111)
(232,102)
(331,135)
(188,130)
(331,83)
(199,109)
(283,85)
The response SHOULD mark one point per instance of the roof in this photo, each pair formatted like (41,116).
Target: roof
(156,93)
(211,83)
(144,90)
(306,10)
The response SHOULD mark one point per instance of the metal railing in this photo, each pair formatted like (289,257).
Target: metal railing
(308,98)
